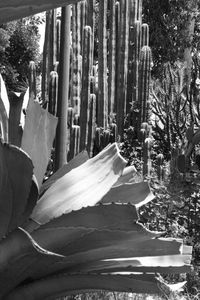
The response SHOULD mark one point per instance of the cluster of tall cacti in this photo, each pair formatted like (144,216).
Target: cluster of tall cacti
(104,85)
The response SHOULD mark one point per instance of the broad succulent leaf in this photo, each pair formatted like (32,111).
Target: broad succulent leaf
(64,284)
(4,110)
(83,186)
(3,121)
(135,193)
(31,201)
(129,175)
(131,266)
(84,245)
(16,170)
(17,9)
(112,216)
(73,163)
(18,256)
(38,136)
(4,96)
(24,108)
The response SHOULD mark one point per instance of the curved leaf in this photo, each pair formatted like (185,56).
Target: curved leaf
(134,193)
(72,164)
(112,216)
(16,171)
(63,285)
(3,122)
(19,254)
(31,201)
(131,266)
(4,96)
(4,111)
(129,175)
(38,137)
(15,130)
(83,186)
(84,245)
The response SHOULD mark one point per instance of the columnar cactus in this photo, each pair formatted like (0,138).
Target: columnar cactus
(63,89)
(91,124)
(112,59)
(53,93)
(102,118)
(77,58)
(145,34)
(147,157)
(131,54)
(122,66)
(58,31)
(74,146)
(159,167)
(117,22)
(45,69)
(137,43)
(91,18)
(144,82)
(53,40)
(85,92)
(83,14)
(32,80)
(139,10)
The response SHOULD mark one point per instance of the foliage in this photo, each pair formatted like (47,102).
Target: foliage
(19,42)
(168,20)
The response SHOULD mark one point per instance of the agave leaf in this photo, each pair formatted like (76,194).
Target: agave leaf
(4,96)
(16,171)
(3,122)
(112,216)
(129,175)
(84,245)
(15,130)
(18,255)
(17,9)
(24,108)
(63,285)
(31,201)
(129,266)
(72,164)
(83,186)
(38,136)
(134,193)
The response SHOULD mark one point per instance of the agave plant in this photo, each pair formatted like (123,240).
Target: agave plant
(78,230)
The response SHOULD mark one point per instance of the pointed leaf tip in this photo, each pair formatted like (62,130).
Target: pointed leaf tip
(83,186)
(37,140)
